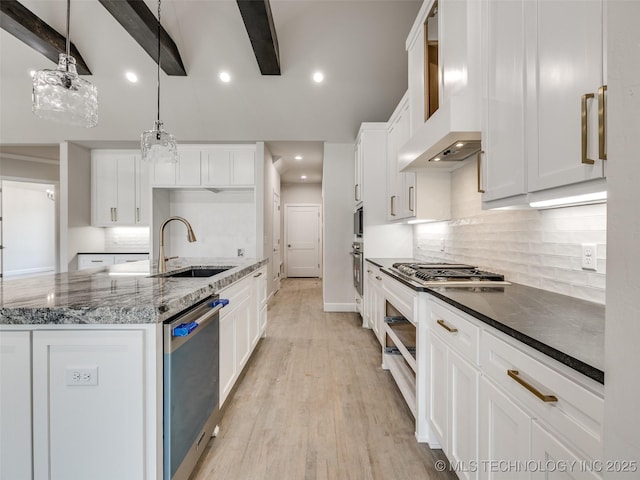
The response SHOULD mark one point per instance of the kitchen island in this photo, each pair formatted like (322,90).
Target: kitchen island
(81,358)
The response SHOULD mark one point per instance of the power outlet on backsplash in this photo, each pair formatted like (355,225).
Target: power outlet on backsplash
(241,252)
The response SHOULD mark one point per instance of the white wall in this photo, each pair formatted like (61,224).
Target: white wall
(539,248)
(622,326)
(301,193)
(223,222)
(338,207)
(28,228)
(11,168)
(271,185)
(76,232)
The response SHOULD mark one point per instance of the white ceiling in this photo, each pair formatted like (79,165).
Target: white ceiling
(359,45)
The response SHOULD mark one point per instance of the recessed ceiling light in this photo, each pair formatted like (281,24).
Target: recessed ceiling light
(225,77)
(298,157)
(459,144)
(437,159)
(132,77)
(303,177)
(318,77)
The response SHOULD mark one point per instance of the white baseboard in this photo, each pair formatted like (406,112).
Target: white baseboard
(28,271)
(340,307)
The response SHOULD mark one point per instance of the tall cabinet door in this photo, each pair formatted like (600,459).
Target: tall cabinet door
(503,136)
(570,64)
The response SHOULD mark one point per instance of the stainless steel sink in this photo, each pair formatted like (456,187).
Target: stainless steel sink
(194,272)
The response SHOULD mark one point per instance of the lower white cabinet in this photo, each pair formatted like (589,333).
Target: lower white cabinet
(15,402)
(374,301)
(242,322)
(453,387)
(88,395)
(94,260)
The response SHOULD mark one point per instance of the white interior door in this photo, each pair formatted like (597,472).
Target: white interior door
(276,241)
(302,230)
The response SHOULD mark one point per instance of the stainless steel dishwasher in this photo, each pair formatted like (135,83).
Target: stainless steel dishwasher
(191,385)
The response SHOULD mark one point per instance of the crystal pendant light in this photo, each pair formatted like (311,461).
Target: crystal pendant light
(61,95)
(157,145)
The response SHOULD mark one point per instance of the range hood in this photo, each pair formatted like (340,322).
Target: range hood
(446,139)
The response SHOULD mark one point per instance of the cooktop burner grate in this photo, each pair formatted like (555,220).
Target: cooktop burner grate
(443,273)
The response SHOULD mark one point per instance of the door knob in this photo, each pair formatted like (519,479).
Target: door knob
(289,245)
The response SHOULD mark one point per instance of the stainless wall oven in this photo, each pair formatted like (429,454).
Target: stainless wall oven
(191,385)
(357,254)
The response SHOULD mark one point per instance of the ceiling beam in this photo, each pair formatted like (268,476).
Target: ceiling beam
(142,25)
(23,24)
(258,21)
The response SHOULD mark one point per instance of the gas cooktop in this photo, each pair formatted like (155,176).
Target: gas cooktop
(447,274)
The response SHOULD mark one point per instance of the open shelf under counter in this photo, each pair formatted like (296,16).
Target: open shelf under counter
(404,377)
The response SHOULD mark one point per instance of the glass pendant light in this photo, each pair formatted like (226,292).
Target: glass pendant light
(157,145)
(61,95)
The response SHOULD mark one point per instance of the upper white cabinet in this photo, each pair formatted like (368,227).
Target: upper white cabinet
(228,166)
(542,128)
(411,196)
(209,166)
(119,189)
(358,171)
(444,79)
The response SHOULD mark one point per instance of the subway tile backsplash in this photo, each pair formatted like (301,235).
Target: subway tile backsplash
(126,239)
(538,248)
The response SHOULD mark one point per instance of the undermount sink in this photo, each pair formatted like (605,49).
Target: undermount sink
(196,272)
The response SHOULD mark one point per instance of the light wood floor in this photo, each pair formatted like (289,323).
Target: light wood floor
(315,404)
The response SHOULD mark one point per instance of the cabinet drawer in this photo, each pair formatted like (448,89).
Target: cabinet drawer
(577,413)
(94,261)
(401,297)
(460,334)
(236,294)
(129,257)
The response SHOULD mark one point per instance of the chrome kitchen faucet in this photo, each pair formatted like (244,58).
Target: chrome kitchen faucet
(162,260)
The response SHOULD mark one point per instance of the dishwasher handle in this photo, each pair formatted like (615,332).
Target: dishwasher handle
(185,329)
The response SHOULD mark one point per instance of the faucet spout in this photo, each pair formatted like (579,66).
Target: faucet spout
(191,237)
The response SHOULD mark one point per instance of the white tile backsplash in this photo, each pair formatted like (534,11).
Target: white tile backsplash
(538,248)
(126,239)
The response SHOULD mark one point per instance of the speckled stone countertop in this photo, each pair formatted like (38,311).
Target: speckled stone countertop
(119,294)
(567,329)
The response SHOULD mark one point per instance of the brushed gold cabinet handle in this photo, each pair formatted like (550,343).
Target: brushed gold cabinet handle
(515,374)
(585,127)
(355,192)
(393,205)
(378,278)
(480,189)
(602,122)
(411,199)
(444,325)
(137,214)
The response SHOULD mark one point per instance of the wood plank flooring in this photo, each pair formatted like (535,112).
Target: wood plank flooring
(315,404)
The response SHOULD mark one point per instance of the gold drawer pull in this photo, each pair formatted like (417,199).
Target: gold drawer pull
(515,374)
(602,122)
(585,129)
(446,327)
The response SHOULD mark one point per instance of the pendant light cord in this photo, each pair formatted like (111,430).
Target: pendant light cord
(158,60)
(68,39)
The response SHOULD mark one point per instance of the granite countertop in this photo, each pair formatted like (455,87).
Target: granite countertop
(118,294)
(565,328)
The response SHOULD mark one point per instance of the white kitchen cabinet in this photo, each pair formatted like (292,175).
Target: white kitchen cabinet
(113,188)
(94,260)
(505,431)
(259,321)
(80,427)
(15,399)
(229,166)
(237,331)
(143,192)
(540,59)
(185,173)
(401,187)
(453,385)
(374,301)
(358,166)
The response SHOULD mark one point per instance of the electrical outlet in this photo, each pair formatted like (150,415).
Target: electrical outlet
(589,256)
(81,376)
(241,252)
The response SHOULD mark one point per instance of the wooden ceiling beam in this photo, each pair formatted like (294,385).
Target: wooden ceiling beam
(142,25)
(258,21)
(23,24)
